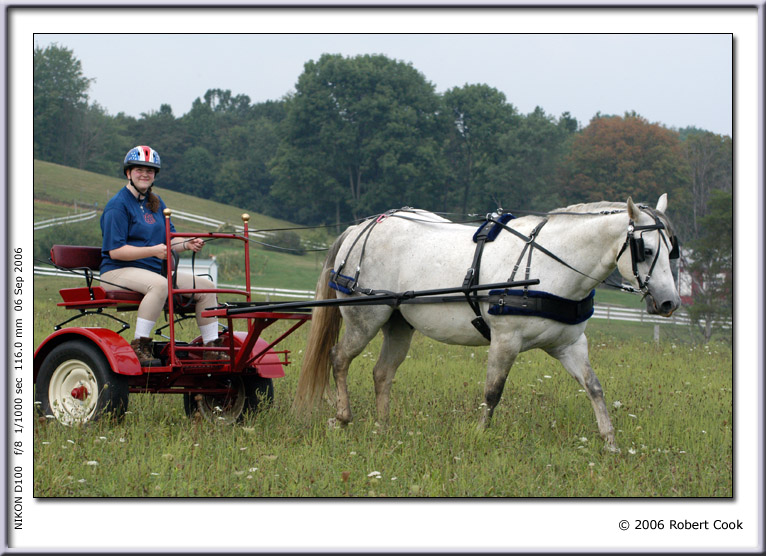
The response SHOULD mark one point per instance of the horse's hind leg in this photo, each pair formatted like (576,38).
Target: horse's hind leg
(397,335)
(361,328)
(575,359)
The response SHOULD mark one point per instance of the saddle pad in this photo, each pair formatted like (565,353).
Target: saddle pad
(493,228)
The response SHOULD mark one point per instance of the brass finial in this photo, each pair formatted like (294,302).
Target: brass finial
(166,212)
(245,217)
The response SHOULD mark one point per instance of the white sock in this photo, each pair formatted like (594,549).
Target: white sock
(209,332)
(144,328)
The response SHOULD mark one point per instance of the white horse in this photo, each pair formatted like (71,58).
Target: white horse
(576,249)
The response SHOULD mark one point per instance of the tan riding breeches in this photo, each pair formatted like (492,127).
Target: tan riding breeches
(155,289)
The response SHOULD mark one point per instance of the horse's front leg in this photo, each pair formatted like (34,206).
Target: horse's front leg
(575,359)
(502,354)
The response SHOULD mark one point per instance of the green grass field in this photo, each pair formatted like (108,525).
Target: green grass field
(671,406)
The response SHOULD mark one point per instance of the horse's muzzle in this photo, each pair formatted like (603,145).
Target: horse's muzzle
(664,309)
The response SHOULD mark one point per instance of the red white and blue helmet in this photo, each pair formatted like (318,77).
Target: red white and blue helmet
(141,156)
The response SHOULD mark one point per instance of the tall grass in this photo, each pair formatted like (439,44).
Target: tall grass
(671,406)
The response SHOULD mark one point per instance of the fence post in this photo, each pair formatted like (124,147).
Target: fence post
(657,335)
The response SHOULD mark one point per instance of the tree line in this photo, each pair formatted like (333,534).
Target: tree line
(364,134)
(360,135)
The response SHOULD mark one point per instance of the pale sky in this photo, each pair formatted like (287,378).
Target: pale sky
(676,80)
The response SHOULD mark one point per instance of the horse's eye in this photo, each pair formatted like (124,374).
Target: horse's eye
(648,252)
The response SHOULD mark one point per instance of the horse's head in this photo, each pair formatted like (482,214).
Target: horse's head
(644,260)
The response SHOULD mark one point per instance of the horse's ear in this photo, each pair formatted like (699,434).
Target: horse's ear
(662,204)
(633,211)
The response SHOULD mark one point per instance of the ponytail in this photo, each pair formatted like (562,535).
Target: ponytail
(152,201)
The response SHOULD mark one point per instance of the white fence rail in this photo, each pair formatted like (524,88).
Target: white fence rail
(607,312)
(65,220)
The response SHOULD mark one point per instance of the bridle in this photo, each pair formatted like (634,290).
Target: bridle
(635,242)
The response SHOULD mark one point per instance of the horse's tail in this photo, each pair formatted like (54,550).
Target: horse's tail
(323,335)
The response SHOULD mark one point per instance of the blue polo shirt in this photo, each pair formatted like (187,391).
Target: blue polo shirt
(126,221)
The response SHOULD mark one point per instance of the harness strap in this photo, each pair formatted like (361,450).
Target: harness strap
(487,232)
(533,243)
(366,233)
(471,279)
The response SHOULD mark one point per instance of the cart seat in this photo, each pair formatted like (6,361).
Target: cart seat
(88,259)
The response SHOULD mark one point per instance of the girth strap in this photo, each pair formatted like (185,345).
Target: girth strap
(540,304)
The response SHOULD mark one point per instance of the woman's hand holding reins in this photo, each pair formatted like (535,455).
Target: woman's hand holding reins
(194,244)
(160,251)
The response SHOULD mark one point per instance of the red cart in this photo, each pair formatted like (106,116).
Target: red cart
(82,373)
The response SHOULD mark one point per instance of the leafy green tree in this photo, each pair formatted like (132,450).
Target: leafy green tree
(617,157)
(525,176)
(479,116)
(712,266)
(60,102)
(709,159)
(196,172)
(244,175)
(163,131)
(358,138)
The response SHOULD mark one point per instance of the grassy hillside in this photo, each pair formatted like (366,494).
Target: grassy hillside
(61,191)
(62,187)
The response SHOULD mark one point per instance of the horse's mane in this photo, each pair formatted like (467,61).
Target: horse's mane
(597,207)
(607,206)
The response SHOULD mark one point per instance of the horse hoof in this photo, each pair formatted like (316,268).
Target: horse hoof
(611,448)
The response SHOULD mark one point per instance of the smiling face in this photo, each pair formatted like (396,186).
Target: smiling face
(142,177)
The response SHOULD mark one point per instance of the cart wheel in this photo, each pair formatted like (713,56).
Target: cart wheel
(225,409)
(76,385)
(260,393)
(252,393)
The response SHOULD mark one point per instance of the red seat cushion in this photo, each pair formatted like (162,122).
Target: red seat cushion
(76,256)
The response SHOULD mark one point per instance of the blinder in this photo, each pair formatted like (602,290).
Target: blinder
(637,249)
(675,250)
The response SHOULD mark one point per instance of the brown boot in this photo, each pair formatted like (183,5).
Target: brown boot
(213,355)
(143,349)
